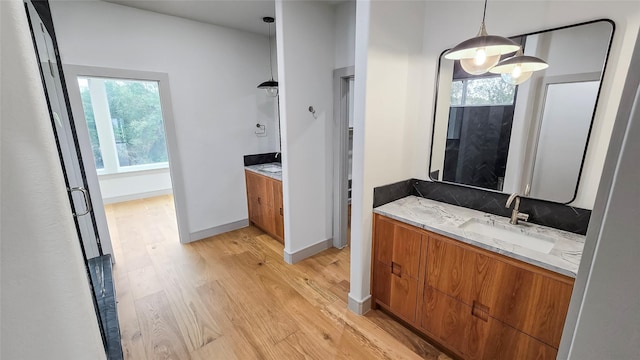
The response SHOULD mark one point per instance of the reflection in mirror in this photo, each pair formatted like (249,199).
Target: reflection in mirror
(529,138)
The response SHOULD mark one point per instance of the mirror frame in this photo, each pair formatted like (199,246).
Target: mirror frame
(586,146)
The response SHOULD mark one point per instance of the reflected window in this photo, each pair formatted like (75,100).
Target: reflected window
(457,89)
(479,131)
(485,91)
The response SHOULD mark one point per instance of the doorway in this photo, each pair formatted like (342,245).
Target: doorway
(343,154)
(562,137)
(126,131)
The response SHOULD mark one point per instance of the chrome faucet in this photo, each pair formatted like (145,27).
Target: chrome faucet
(516,214)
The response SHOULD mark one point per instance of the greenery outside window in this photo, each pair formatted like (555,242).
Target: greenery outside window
(485,91)
(126,128)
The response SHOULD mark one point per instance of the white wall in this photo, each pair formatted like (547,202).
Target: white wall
(46,306)
(306,61)
(345,34)
(397,110)
(134,185)
(388,45)
(213,73)
(588,43)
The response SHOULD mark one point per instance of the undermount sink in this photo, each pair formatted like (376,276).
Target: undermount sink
(511,234)
(271,168)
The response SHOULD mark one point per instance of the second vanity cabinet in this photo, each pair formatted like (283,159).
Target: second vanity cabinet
(264,200)
(476,303)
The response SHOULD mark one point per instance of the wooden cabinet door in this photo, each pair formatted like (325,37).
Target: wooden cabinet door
(278,210)
(260,201)
(533,302)
(396,267)
(397,292)
(503,342)
(254,189)
(266,203)
(445,319)
(397,246)
(461,328)
(461,272)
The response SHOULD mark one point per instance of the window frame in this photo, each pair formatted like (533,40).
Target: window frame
(105,132)
(71,73)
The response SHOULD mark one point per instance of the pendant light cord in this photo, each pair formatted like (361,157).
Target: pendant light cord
(483,27)
(484,13)
(270,54)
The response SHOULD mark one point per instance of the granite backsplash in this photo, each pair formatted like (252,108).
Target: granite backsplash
(265,158)
(541,212)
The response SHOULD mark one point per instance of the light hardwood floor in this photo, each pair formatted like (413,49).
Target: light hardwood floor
(232,297)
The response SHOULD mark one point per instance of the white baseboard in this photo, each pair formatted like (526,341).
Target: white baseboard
(360,307)
(216,230)
(292,258)
(136,196)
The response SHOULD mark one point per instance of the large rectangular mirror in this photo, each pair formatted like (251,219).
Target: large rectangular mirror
(529,138)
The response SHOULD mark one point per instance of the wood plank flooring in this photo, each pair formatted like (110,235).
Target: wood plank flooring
(233,297)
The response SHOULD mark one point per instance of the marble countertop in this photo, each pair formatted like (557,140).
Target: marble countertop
(264,169)
(445,219)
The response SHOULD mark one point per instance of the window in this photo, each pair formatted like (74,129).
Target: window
(486,91)
(124,119)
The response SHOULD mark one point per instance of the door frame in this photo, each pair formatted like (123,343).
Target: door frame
(340,148)
(535,127)
(175,169)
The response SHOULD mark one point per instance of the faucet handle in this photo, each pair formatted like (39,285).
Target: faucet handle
(523,216)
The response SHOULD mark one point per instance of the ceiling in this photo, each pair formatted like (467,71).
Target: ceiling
(237,14)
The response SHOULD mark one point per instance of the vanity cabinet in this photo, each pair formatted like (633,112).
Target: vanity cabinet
(264,200)
(476,303)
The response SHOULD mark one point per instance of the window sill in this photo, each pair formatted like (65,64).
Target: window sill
(135,171)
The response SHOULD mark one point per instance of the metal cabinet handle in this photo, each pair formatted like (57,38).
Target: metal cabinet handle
(85,194)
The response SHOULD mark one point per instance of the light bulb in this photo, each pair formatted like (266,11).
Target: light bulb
(481,57)
(516,72)
(480,63)
(516,76)
(272,91)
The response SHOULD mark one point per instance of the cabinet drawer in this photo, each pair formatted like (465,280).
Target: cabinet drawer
(397,292)
(445,319)
(461,272)
(505,342)
(398,246)
(533,303)
(527,300)
(473,334)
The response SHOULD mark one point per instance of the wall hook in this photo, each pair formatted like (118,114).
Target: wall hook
(313,112)
(261,131)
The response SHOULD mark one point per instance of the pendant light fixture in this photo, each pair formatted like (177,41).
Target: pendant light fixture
(479,54)
(519,68)
(271,86)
